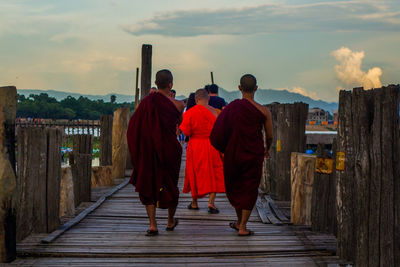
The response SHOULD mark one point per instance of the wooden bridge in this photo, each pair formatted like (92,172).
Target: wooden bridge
(114,235)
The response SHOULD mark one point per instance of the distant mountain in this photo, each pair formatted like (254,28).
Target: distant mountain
(267,96)
(59,95)
(263,96)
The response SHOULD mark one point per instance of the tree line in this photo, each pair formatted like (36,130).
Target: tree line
(45,106)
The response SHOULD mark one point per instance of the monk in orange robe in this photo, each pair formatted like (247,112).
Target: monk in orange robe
(155,151)
(204,170)
(238,134)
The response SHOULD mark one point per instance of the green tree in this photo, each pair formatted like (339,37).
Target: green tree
(112,99)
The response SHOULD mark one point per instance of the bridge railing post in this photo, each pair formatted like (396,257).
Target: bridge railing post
(8,110)
(289,122)
(368,176)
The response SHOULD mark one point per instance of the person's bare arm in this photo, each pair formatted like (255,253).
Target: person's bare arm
(269,131)
(180,106)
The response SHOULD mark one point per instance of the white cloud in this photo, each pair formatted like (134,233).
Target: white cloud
(302,91)
(349,70)
(270,18)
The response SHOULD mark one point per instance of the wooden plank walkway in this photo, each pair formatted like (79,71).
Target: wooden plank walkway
(114,235)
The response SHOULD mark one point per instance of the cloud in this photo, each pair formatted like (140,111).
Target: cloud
(270,18)
(302,91)
(349,70)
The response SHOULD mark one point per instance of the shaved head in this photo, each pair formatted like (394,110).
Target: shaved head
(201,94)
(163,79)
(248,83)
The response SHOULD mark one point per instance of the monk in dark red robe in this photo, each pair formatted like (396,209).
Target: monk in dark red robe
(238,134)
(156,152)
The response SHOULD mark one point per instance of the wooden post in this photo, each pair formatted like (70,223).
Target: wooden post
(53,177)
(289,122)
(106,123)
(368,176)
(146,70)
(39,175)
(212,78)
(137,88)
(119,142)
(302,179)
(8,110)
(81,167)
(323,203)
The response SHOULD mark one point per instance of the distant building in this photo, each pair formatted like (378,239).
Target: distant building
(318,115)
(335,115)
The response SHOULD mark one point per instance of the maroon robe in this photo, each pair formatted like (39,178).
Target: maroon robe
(155,151)
(238,134)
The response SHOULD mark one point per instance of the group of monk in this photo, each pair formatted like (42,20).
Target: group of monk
(225,152)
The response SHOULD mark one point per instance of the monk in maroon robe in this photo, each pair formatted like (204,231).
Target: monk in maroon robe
(238,134)
(156,152)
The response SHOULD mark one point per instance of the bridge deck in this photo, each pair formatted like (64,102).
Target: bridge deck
(113,235)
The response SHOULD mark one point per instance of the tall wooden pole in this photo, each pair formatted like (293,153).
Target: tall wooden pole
(137,88)
(119,142)
(212,78)
(8,109)
(146,71)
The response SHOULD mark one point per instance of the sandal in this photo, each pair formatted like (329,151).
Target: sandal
(213,210)
(151,232)
(233,225)
(173,226)
(191,208)
(248,234)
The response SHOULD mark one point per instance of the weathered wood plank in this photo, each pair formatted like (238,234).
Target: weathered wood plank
(361,103)
(275,209)
(396,175)
(368,134)
(146,71)
(81,167)
(119,142)
(345,180)
(8,108)
(302,179)
(106,122)
(54,140)
(323,206)
(389,128)
(83,214)
(261,213)
(116,229)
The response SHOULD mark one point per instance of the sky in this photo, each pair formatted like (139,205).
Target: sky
(94,46)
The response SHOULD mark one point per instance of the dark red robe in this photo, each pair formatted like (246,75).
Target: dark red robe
(155,151)
(238,134)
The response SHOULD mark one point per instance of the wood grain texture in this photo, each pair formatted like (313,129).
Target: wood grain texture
(119,142)
(302,179)
(81,167)
(53,176)
(323,202)
(289,122)
(8,109)
(106,123)
(114,234)
(145,81)
(367,188)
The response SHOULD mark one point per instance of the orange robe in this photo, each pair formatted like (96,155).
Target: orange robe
(204,172)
